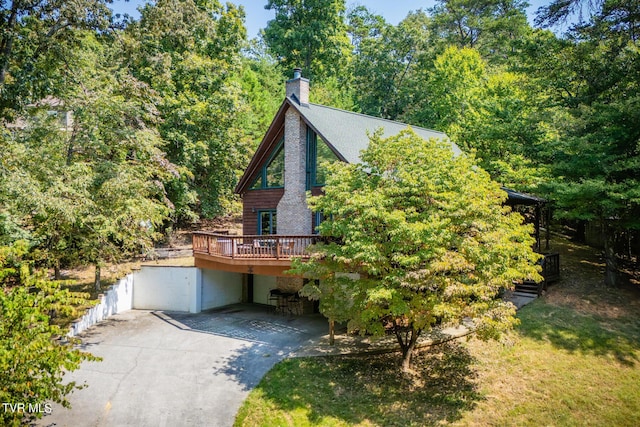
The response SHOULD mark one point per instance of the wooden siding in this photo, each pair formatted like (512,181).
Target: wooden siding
(254,200)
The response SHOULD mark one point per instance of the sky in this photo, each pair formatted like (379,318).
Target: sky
(257,16)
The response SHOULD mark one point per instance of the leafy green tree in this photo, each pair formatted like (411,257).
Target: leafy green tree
(34,351)
(492,112)
(425,238)
(35,38)
(387,63)
(311,35)
(595,75)
(99,196)
(363,25)
(493,27)
(456,82)
(188,52)
(262,89)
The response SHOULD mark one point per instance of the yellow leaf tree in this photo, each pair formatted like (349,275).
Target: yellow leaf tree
(426,238)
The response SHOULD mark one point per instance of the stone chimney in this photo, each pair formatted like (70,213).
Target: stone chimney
(298,87)
(294,217)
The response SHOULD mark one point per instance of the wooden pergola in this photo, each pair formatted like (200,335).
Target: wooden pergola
(541,212)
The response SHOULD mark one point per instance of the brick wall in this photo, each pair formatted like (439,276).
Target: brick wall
(294,217)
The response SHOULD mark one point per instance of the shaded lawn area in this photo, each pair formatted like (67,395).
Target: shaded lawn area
(574,360)
(343,391)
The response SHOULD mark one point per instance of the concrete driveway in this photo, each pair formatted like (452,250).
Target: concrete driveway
(177,369)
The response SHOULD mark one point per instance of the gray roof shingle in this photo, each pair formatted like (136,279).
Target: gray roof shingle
(348,133)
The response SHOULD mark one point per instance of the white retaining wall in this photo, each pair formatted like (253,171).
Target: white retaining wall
(165,288)
(117,299)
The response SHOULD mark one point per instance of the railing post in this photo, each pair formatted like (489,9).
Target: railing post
(286,246)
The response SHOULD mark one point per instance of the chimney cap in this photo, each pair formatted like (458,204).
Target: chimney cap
(297,73)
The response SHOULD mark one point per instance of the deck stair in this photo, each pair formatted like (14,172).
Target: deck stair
(550,271)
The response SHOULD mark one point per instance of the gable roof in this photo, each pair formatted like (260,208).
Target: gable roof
(345,132)
(348,133)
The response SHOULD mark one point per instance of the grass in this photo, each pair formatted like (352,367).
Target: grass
(356,391)
(574,360)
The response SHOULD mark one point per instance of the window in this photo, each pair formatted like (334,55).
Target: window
(267,222)
(318,156)
(318,217)
(324,156)
(272,174)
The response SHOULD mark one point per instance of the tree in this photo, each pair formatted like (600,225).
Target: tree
(596,170)
(456,82)
(262,90)
(99,196)
(425,239)
(387,62)
(310,34)
(188,52)
(493,27)
(34,351)
(35,38)
(485,109)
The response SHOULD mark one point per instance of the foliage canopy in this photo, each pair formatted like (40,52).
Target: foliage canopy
(34,351)
(416,237)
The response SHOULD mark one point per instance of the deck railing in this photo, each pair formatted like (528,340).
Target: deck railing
(551,267)
(550,273)
(252,247)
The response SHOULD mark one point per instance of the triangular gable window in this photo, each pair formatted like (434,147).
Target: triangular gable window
(319,155)
(272,174)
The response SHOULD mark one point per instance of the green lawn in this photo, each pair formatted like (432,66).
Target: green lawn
(561,368)
(574,360)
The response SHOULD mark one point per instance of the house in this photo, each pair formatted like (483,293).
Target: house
(277,223)
(53,107)
(288,163)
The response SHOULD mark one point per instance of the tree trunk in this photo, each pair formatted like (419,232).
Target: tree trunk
(97,278)
(56,271)
(6,44)
(407,345)
(332,332)
(611,270)
(581,231)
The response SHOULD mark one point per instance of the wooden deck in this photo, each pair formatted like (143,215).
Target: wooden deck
(258,254)
(272,255)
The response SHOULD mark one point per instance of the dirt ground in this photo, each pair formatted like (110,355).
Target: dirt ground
(83,277)
(582,283)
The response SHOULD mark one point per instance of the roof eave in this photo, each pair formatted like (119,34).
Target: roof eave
(261,153)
